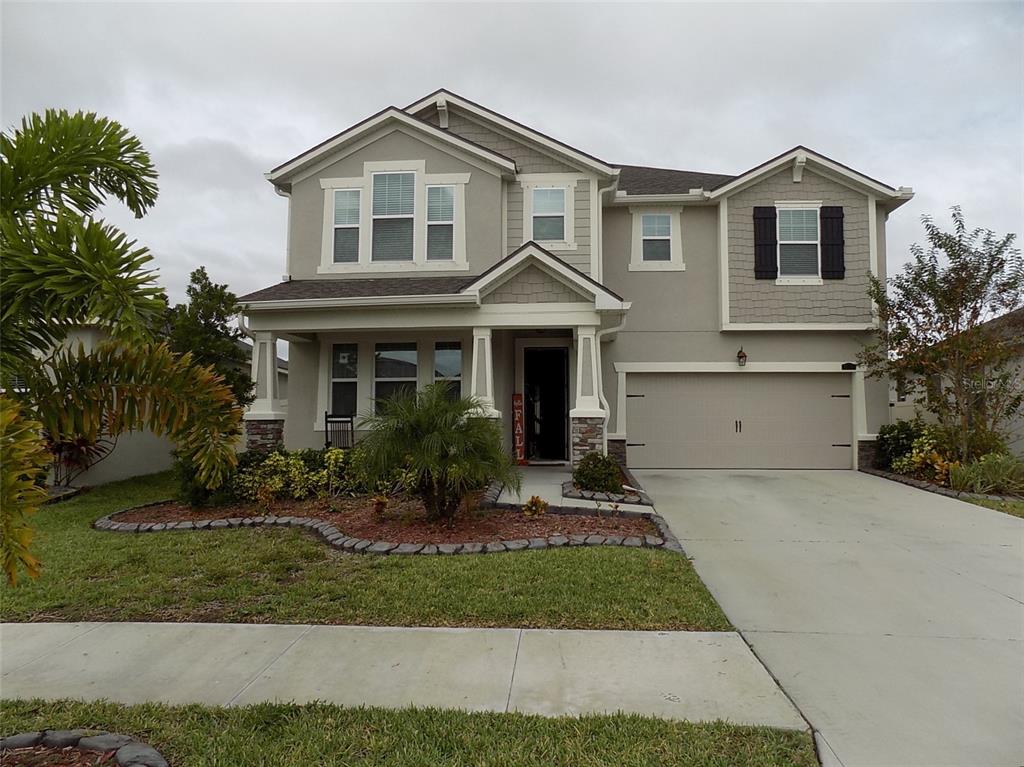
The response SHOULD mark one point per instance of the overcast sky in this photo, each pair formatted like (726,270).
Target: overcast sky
(923,95)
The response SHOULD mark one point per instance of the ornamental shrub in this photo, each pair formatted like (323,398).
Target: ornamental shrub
(535,507)
(598,472)
(298,475)
(928,458)
(895,440)
(995,473)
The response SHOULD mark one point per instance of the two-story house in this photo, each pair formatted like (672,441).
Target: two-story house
(674,318)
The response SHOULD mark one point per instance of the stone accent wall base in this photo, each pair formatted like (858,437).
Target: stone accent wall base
(587,436)
(617,450)
(866,450)
(264,435)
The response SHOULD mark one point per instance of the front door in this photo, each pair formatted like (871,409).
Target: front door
(546,402)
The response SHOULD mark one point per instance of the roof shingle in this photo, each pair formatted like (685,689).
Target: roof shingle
(637,179)
(359,288)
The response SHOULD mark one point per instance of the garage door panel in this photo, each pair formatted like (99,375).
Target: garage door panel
(738,420)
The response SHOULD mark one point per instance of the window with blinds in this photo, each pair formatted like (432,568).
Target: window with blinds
(656,235)
(346,226)
(440,223)
(798,242)
(393,210)
(549,214)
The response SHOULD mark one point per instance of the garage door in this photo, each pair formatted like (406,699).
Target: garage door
(739,420)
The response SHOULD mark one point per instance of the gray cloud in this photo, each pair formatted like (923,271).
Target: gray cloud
(927,95)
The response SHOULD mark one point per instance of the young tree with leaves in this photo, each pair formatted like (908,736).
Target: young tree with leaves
(64,268)
(936,335)
(205,327)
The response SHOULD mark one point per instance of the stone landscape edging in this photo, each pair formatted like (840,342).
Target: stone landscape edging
(333,537)
(128,751)
(639,498)
(931,487)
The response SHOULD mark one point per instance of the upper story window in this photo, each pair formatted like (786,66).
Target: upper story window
(395,217)
(657,241)
(440,223)
(549,215)
(549,205)
(799,244)
(394,208)
(346,226)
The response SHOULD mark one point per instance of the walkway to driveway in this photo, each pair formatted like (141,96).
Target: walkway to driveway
(679,675)
(893,617)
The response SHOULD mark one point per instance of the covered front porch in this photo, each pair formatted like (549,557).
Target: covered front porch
(524,338)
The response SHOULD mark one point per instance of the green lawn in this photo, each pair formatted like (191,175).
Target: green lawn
(287,576)
(299,736)
(1013,508)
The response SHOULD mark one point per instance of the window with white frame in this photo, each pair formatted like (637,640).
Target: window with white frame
(656,236)
(394,370)
(448,366)
(344,378)
(346,226)
(549,214)
(394,207)
(799,242)
(440,223)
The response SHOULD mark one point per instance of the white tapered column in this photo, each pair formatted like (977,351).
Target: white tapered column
(482,383)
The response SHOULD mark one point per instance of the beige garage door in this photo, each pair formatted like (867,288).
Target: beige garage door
(739,420)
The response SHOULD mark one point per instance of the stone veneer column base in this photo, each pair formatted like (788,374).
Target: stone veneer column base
(587,436)
(866,450)
(617,450)
(264,435)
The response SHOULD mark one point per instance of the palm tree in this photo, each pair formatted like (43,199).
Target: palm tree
(446,445)
(63,267)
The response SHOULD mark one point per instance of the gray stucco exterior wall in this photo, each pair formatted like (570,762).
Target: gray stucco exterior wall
(753,300)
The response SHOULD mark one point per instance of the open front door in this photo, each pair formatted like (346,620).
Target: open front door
(546,403)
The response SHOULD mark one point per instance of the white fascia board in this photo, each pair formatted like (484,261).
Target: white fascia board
(802,326)
(521,130)
(814,159)
(390,114)
(440,299)
(731,367)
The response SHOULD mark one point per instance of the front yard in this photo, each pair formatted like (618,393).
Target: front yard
(297,736)
(286,576)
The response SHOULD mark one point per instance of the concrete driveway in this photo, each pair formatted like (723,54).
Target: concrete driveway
(894,618)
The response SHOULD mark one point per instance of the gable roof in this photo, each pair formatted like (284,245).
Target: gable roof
(578,156)
(639,179)
(387,115)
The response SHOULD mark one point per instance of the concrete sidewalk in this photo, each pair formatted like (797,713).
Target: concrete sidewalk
(695,676)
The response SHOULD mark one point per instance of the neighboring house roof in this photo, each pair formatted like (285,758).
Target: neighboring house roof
(578,155)
(638,179)
(282,173)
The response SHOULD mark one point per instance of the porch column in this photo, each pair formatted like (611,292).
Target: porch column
(482,382)
(264,420)
(587,418)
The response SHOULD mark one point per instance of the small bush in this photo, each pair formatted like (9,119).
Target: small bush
(895,440)
(535,506)
(599,473)
(995,473)
(298,475)
(195,493)
(928,458)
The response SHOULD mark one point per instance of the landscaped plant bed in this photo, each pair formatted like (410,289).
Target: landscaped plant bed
(352,524)
(933,488)
(77,748)
(639,497)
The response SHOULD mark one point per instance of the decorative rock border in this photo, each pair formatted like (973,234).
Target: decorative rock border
(931,487)
(128,752)
(640,498)
(336,539)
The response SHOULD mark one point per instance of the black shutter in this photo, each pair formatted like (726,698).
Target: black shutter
(833,258)
(766,263)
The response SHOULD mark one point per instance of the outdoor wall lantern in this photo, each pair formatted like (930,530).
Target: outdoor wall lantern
(741,357)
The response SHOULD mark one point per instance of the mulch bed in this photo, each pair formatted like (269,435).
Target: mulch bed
(43,756)
(405,520)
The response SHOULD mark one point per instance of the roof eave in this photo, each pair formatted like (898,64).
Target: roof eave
(435,299)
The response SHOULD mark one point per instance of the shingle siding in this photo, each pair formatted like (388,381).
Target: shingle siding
(532,286)
(753,300)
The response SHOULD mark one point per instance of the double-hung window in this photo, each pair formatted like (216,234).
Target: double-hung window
(394,204)
(799,243)
(448,366)
(344,377)
(394,370)
(656,236)
(549,214)
(346,226)
(440,223)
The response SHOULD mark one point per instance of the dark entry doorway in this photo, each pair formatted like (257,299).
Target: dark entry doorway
(546,402)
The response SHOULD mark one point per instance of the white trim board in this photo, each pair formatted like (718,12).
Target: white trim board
(731,367)
(802,326)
